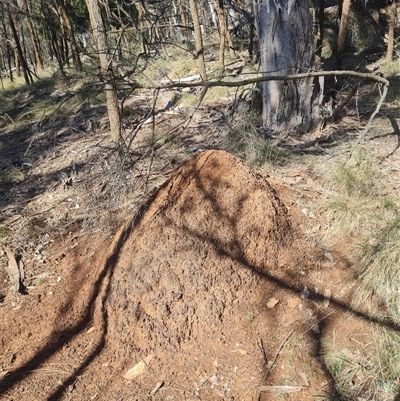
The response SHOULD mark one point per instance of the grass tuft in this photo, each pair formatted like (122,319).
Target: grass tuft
(245,141)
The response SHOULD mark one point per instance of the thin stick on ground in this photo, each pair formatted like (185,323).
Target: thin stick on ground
(272,362)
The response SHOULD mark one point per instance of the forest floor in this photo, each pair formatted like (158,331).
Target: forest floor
(181,273)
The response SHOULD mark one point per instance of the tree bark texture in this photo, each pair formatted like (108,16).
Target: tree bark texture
(198,39)
(343,30)
(222,33)
(100,39)
(286,47)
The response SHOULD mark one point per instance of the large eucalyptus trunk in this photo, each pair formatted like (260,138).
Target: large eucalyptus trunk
(285,32)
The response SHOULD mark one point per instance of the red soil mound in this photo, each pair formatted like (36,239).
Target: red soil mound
(203,295)
(193,281)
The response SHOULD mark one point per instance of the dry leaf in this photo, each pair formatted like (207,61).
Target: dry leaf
(138,369)
(13,270)
(272,303)
(281,389)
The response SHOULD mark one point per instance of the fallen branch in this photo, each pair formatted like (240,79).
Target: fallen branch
(264,78)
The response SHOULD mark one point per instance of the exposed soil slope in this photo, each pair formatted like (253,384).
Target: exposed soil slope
(207,287)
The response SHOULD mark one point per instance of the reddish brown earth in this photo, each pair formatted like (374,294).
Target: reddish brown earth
(213,284)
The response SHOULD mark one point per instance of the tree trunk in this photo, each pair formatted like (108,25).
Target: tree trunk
(22,60)
(100,40)
(34,39)
(321,18)
(232,52)
(286,47)
(212,14)
(176,24)
(140,10)
(343,30)
(8,49)
(391,29)
(70,34)
(252,32)
(198,39)
(222,33)
(183,19)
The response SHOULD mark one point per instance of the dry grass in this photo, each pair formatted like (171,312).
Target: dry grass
(359,209)
(245,141)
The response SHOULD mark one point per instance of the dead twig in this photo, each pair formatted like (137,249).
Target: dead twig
(368,126)
(346,100)
(271,363)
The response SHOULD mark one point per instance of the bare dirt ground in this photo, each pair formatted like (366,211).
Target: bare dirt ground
(210,288)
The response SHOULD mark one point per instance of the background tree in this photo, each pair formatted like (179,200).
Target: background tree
(391,29)
(32,32)
(222,32)
(198,39)
(344,18)
(106,75)
(19,51)
(286,47)
(68,28)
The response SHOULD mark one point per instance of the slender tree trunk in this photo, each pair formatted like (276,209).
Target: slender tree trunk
(8,49)
(143,47)
(17,63)
(286,47)
(222,33)
(198,40)
(391,29)
(183,18)
(34,39)
(212,14)
(70,34)
(100,39)
(252,31)
(175,23)
(57,52)
(343,30)
(231,46)
(321,17)
(22,60)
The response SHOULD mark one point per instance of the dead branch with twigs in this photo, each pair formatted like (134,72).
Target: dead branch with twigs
(249,81)
(365,78)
